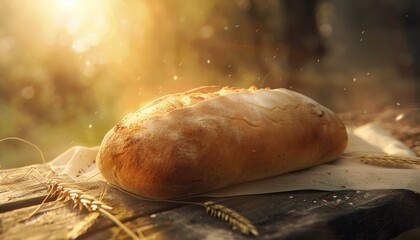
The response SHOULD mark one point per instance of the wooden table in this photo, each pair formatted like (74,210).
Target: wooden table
(345,214)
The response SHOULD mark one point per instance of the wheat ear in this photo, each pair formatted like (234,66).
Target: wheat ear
(235,219)
(84,201)
(386,160)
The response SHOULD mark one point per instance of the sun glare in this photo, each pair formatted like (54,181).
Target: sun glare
(67,3)
(87,23)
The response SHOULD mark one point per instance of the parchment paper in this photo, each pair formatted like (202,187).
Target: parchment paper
(345,173)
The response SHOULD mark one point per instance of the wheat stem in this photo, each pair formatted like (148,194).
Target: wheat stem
(119,223)
(50,194)
(83,226)
(27,142)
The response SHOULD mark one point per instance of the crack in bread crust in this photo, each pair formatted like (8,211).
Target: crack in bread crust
(172,102)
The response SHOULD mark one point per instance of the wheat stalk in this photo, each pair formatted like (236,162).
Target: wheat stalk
(79,200)
(82,201)
(27,142)
(82,226)
(386,160)
(235,219)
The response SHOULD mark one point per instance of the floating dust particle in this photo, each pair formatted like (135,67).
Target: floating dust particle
(153,215)
(175,77)
(335,196)
(208,61)
(90,126)
(291,197)
(350,203)
(314,201)
(399,117)
(398,104)
(354,79)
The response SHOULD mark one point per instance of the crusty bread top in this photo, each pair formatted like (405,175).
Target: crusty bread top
(171,102)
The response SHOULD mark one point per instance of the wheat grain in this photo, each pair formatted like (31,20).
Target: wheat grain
(235,219)
(386,160)
(82,201)
(78,198)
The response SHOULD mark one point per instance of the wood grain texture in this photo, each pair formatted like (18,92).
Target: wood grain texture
(344,214)
(292,215)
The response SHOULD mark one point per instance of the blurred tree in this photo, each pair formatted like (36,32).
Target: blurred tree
(75,67)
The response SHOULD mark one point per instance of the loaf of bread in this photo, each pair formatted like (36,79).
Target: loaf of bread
(212,137)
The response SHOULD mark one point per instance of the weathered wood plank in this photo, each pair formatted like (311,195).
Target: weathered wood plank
(51,218)
(282,215)
(22,184)
(293,215)
(354,217)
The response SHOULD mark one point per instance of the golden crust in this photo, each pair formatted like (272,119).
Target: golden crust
(239,136)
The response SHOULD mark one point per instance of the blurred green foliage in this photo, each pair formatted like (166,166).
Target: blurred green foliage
(71,69)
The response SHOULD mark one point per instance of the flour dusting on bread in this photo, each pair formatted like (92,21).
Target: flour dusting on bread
(211,137)
(169,103)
